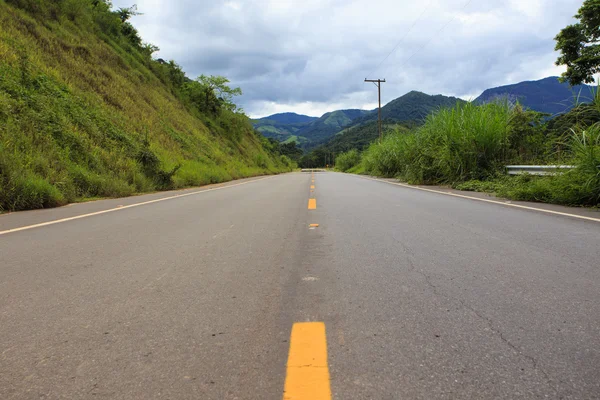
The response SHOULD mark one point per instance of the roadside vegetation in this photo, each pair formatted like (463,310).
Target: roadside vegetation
(87,111)
(468,147)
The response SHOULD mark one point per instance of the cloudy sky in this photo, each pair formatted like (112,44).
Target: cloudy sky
(312,56)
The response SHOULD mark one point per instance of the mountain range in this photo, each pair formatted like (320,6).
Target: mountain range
(305,130)
(546,95)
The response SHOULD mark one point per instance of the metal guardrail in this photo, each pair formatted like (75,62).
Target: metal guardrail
(313,170)
(537,169)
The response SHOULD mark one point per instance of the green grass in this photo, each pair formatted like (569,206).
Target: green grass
(84,115)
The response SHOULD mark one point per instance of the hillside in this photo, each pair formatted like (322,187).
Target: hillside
(283,127)
(287,118)
(304,130)
(413,106)
(329,124)
(86,112)
(410,108)
(361,136)
(546,95)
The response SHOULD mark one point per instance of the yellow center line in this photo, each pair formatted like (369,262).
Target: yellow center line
(307,376)
(312,186)
(312,204)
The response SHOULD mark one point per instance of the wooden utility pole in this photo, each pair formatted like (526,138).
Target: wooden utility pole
(377,83)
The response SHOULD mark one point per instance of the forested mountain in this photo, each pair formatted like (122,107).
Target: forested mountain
(546,95)
(357,137)
(413,106)
(329,124)
(304,130)
(288,118)
(87,111)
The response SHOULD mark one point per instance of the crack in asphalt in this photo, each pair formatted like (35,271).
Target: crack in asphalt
(488,320)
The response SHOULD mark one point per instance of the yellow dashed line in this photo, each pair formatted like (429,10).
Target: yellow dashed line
(307,375)
(312,204)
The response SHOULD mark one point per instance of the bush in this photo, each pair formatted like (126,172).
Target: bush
(345,161)
(23,193)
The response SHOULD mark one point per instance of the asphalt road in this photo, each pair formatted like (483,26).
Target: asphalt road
(422,295)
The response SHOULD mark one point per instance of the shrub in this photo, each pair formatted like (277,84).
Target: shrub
(347,160)
(27,192)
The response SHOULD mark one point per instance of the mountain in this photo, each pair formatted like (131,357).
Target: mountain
(304,130)
(288,118)
(284,126)
(546,95)
(85,111)
(413,106)
(329,124)
(361,136)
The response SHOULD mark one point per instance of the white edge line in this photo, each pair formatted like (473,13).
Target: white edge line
(484,200)
(58,221)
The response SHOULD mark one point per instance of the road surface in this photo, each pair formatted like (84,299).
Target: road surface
(398,293)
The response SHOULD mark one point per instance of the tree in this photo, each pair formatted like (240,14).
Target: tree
(579,45)
(126,13)
(217,85)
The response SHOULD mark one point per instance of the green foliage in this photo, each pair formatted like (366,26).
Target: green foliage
(528,141)
(579,45)
(291,151)
(469,145)
(490,186)
(346,161)
(85,112)
(328,125)
(413,106)
(217,86)
(456,144)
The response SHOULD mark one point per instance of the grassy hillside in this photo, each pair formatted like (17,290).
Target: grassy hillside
(86,112)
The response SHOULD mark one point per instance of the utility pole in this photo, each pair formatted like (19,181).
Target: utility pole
(377,83)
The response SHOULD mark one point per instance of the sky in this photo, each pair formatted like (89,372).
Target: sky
(312,56)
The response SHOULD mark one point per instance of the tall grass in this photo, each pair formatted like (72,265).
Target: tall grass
(464,142)
(467,146)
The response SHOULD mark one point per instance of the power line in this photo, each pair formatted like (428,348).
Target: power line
(403,37)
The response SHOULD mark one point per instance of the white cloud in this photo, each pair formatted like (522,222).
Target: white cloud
(312,56)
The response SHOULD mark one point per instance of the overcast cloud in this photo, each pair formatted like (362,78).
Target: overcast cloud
(311,56)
